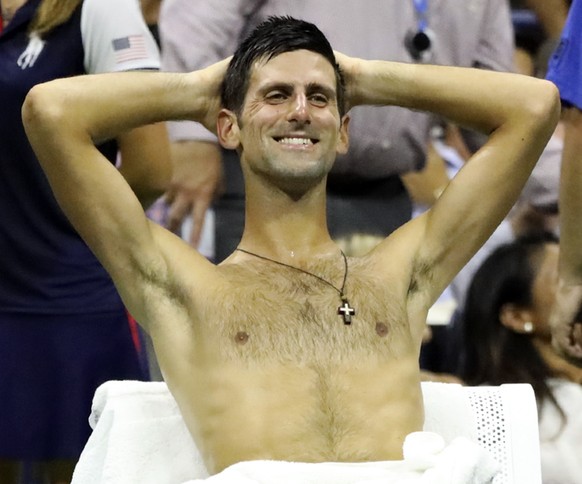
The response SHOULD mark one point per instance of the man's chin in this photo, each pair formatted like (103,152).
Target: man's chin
(299,182)
(302,165)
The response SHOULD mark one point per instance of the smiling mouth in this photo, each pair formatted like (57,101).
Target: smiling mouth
(296,141)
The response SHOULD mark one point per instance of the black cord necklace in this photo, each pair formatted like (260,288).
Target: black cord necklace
(345,310)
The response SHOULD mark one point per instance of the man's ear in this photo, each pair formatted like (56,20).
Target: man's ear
(343,141)
(227,129)
(516,318)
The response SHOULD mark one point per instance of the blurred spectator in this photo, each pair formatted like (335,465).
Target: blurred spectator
(151,13)
(63,327)
(507,340)
(550,13)
(566,72)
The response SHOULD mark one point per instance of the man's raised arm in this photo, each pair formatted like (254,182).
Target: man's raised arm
(518,113)
(65,118)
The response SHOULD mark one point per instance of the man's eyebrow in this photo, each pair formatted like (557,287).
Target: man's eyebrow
(274,86)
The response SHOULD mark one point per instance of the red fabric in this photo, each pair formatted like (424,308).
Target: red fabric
(134,332)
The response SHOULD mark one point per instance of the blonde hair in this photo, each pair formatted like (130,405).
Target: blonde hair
(51,14)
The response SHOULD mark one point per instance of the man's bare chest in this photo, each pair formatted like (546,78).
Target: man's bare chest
(293,317)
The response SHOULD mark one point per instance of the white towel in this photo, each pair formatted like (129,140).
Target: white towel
(140,437)
(427,460)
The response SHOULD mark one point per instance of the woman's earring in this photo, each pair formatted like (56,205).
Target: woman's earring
(528,327)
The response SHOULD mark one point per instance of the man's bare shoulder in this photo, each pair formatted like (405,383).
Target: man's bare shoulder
(404,259)
(174,280)
(397,256)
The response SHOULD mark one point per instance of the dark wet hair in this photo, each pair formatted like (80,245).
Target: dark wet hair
(493,354)
(273,37)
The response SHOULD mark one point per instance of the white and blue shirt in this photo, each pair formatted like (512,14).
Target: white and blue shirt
(565,66)
(45,267)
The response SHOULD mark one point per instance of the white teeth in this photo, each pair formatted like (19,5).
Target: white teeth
(296,141)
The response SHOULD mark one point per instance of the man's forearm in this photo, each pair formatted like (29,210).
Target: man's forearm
(106,105)
(474,98)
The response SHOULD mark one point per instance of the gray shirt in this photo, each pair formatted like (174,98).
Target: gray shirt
(383,140)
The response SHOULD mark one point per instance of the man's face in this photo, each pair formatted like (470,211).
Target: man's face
(290,127)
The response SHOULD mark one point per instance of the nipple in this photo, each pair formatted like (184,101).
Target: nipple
(241,338)
(381,329)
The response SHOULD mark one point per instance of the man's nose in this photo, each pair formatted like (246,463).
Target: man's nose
(299,110)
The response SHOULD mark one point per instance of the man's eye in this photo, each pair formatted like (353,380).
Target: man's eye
(318,100)
(275,97)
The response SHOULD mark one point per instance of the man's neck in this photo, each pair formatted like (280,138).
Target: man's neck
(284,227)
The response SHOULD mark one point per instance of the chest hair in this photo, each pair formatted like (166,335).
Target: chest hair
(269,313)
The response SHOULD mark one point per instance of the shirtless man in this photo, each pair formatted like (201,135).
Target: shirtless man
(258,351)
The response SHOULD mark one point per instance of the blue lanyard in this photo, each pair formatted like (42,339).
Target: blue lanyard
(421,7)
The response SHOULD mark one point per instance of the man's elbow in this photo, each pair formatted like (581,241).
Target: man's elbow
(40,110)
(544,106)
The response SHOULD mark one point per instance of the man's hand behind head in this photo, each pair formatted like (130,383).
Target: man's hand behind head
(349,67)
(210,80)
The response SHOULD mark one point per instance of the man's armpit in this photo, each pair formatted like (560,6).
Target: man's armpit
(421,276)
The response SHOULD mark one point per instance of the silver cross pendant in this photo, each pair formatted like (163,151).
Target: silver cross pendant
(346,311)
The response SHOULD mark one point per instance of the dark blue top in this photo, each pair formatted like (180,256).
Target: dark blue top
(565,67)
(44,265)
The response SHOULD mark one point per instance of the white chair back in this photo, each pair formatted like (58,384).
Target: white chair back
(501,419)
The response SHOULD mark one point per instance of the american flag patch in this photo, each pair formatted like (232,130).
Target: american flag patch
(132,47)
